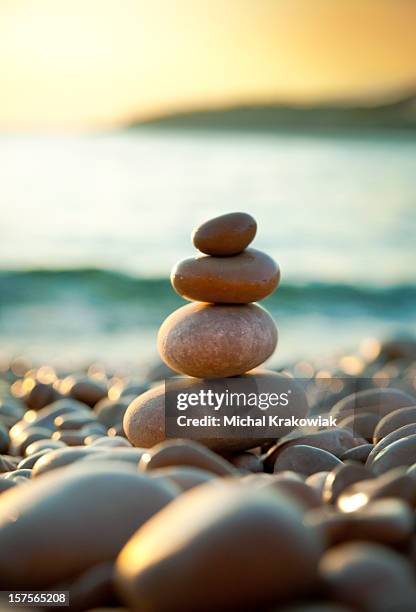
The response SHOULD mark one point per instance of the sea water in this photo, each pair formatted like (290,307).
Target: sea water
(91,225)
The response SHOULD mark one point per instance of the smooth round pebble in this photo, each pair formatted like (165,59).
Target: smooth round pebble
(368,577)
(358,453)
(397,434)
(334,441)
(305,459)
(144,421)
(393,421)
(341,477)
(217,340)
(227,234)
(54,528)
(399,453)
(378,401)
(248,277)
(185,452)
(217,547)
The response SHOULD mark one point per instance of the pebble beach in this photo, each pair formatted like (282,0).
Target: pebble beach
(97,501)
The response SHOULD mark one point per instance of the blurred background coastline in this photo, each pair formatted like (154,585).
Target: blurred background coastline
(96,212)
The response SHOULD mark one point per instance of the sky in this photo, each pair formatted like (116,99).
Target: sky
(98,63)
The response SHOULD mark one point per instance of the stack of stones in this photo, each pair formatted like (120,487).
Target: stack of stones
(221,333)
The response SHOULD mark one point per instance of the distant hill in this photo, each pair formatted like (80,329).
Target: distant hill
(400,114)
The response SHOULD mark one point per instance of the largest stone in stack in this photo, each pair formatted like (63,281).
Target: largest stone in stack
(221,333)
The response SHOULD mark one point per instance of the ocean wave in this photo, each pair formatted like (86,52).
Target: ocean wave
(100,286)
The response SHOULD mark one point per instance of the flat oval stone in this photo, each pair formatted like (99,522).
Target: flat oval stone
(60,457)
(368,576)
(54,528)
(397,434)
(306,460)
(341,477)
(225,235)
(246,533)
(144,421)
(335,441)
(394,420)
(111,412)
(379,401)
(185,452)
(217,340)
(84,389)
(394,483)
(386,521)
(362,425)
(358,453)
(399,453)
(248,277)
(45,444)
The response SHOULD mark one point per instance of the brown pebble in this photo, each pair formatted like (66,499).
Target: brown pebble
(305,459)
(393,421)
(341,477)
(378,401)
(19,444)
(217,340)
(144,421)
(394,483)
(111,412)
(202,534)
(45,525)
(185,452)
(399,453)
(358,453)
(368,577)
(362,424)
(59,458)
(335,441)
(227,234)
(45,444)
(387,521)
(84,389)
(248,277)
(40,395)
(397,434)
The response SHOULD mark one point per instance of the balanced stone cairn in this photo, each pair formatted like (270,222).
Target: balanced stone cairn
(221,333)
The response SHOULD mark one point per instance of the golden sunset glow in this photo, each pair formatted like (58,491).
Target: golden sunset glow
(99,62)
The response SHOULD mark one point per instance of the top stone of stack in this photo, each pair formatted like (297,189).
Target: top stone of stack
(226,235)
